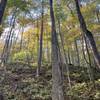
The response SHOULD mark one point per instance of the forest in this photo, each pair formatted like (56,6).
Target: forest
(49,49)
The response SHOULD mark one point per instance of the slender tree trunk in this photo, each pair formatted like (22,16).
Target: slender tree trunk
(21,42)
(89,67)
(8,42)
(2,9)
(72,54)
(88,34)
(57,85)
(97,15)
(69,59)
(77,53)
(40,44)
(47,46)
(65,56)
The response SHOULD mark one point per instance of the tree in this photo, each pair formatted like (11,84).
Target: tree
(40,43)
(2,9)
(57,85)
(88,34)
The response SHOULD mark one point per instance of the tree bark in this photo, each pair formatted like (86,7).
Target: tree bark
(57,85)
(77,53)
(69,58)
(88,34)
(40,44)
(2,9)
(65,56)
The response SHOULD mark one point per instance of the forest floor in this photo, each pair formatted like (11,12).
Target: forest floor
(20,83)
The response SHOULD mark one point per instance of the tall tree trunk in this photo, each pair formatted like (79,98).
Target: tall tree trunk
(2,9)
(97,15)
(88,62)
(77,53)
(64,53)
(40,44)
(21,42)
(69,58)
(88,34)
(57,87)
(48,47)
(8,43)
